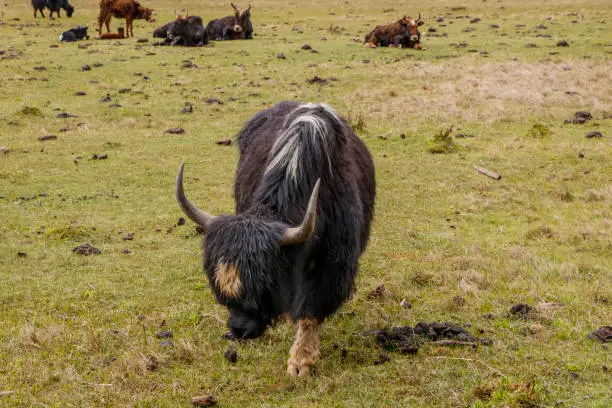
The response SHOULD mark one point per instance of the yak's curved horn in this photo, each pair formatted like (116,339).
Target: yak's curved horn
(202,218)
(249,9)
(297,235)
(235,8)
(419,18)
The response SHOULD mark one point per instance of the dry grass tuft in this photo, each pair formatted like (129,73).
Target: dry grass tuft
(185,350)
(32,336)
(497,91)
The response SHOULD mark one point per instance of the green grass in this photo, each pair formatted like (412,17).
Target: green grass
(460,247)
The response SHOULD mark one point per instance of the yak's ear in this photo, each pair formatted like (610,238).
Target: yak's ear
(420,23)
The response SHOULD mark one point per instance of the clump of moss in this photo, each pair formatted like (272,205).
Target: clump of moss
(71,233)
(442,142)
(538,131)
(30,111)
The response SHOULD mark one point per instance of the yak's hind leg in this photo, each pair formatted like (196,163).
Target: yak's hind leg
(305,350)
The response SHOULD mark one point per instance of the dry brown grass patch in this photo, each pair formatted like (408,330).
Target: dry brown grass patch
(491,92)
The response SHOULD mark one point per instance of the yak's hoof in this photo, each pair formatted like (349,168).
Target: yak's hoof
(297,369)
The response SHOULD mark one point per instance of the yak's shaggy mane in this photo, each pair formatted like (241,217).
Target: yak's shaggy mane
(306,135)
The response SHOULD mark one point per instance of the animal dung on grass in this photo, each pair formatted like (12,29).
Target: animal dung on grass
(603,334)
(47,137)
(520,309)
(409,339)
(204,401)
(164,334)
(580,117)
(593,134)
(175,131)
(224,142)
(231,355)
(86,249)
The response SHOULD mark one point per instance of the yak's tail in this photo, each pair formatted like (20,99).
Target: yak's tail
(305,149)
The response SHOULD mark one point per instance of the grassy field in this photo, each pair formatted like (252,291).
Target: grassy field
(458,246)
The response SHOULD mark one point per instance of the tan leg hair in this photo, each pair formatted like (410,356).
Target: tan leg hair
(305,350)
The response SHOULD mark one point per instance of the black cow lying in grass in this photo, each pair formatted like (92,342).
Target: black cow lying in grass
(188,32)
(162,32)
(234,27)
(304,193)
(54,6)
(74,34)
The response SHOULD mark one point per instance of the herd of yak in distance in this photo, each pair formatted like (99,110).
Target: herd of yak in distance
(191,32)
(304,189)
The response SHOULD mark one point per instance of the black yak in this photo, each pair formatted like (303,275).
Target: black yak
(234,27)
(187,31)
(304,191)
(74,34)
(54,6)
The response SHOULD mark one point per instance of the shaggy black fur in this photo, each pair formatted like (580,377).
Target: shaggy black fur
(188,32)
(309,280)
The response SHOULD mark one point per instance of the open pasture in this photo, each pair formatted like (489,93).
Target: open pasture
(448,243)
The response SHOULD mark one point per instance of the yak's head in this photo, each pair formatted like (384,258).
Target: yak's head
(242,18)
(144,13)
(413,28)
(69,10)
(242,258)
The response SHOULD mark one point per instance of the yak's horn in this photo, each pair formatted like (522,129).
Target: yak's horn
(419,18)
(297,235)
(203,219)
(235,8)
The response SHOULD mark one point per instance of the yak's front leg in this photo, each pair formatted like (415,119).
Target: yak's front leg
(305,350)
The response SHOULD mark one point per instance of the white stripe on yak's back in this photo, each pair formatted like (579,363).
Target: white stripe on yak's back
(303,128)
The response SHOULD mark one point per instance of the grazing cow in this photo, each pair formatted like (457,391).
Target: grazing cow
(54,6)
(403,33)
(187,31)
(129,9)
(304,191)
(74,34)
(234,27)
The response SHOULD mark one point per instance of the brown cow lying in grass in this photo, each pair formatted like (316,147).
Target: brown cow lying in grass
(129,9)
(403,33)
